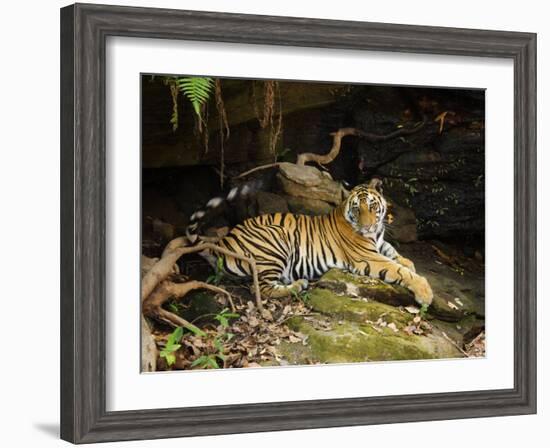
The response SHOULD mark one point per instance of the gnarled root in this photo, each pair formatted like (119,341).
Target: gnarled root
(152,305)
(154,288)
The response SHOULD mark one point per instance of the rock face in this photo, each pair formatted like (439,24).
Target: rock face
(403,228)
(270,203)
(305,206)
(438,171)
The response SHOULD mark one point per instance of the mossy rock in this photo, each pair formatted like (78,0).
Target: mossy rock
(444,305)
(355,342)
(343,282)
(354,309)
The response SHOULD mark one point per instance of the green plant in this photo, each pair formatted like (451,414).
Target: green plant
(174,306)
(410,188)
(210,361)
(197,89)
(424,310)
(302,296)
(206,362)
(217,277)
(223,317)
(172,346)
(283,154)
(195,330)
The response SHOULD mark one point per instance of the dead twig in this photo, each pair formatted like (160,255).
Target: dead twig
(258,168)
(455,344)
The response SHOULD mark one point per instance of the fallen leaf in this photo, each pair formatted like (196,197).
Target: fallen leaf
(412,309)
(441,119)
(253,364)
(352,290)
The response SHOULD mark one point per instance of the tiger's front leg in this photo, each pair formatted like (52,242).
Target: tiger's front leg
(271,285)
(394,273)
(387,250)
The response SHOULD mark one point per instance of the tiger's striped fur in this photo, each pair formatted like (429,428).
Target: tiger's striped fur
(291,249)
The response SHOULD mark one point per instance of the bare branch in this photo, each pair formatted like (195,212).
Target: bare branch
(258,168)
(324,159)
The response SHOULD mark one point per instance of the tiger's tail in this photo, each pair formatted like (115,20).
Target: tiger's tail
(241,191)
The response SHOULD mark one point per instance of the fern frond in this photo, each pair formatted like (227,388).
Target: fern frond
(197,89)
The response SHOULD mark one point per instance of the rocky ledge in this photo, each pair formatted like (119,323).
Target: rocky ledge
(357,319)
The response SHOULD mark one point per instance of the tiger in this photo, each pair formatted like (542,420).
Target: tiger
(292,249)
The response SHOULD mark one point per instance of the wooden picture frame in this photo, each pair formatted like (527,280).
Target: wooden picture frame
(84,29)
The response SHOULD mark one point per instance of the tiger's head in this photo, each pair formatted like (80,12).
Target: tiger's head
(365,208)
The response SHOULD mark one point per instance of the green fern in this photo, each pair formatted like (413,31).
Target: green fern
(197,89)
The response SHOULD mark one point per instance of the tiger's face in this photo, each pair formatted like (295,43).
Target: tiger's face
(365,208)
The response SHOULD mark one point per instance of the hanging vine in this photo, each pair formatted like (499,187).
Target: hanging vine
(198,91)
(272,91)
(276,129)
(223,125)
(195,88)
(174,93)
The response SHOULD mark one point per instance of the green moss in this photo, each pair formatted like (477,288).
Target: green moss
(352,342)
(343,282)
(355,310)
(337,275)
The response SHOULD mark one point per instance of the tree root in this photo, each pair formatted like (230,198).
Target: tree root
(152,306)
(156,289)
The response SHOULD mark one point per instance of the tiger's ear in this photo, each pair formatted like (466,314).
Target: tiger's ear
(375,184)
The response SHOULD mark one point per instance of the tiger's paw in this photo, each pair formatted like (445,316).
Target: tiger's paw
(405,262)
(422,290)
(300,285)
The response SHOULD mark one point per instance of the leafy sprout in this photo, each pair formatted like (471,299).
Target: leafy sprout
(172,346)
(218,275)
(424,310)
(223,317)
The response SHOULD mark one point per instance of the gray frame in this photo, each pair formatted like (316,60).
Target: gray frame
(84,29)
